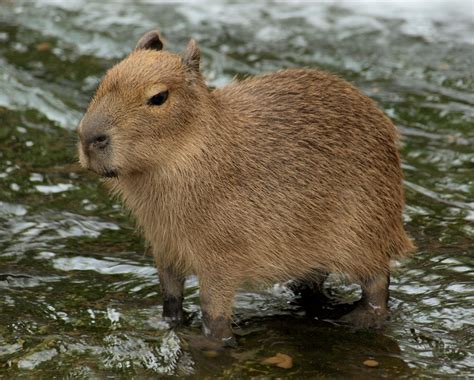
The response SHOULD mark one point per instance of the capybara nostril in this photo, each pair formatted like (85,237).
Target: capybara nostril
(100,141)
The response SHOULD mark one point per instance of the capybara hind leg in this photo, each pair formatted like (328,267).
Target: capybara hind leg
(371,310)
(311,289)
(172,289)
(216,306)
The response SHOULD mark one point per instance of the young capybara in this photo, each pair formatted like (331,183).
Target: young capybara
(276,177)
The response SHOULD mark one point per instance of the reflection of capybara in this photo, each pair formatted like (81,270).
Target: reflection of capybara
(275,177)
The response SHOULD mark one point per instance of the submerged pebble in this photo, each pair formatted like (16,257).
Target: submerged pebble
(43,47)
(371,363)
(279,360)
(211,354)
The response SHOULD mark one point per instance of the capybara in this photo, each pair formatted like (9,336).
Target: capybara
(275,177)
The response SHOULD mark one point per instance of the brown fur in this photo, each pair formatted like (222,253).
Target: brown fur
(265,179)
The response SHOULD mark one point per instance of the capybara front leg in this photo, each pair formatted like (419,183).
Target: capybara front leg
(371,310)
(172,289)
(216,305)
(172,285)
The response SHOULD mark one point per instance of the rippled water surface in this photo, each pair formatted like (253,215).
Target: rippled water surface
(79,299)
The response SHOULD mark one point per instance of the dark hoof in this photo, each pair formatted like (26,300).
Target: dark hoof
(365,317)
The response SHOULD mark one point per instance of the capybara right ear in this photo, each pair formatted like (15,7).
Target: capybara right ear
(150,41)
(191,56)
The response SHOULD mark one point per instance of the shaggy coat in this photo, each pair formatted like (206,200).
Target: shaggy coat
(267,179)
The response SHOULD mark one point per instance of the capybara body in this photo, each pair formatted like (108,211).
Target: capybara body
(275,177)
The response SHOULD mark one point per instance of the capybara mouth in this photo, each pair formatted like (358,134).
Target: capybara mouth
(104,172)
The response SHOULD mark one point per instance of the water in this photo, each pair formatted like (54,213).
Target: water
(78,297)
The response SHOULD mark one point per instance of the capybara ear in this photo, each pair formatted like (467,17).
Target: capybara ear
(192,56)
(150,41)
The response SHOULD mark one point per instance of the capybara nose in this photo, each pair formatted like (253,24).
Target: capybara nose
(98,142)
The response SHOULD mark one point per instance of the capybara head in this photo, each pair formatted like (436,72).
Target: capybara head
(144,110)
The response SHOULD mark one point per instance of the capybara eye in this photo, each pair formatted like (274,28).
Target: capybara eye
(158,99)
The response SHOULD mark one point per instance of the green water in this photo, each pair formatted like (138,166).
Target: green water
(78,298)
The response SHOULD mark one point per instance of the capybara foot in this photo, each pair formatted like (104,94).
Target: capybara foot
(371,311)
(206,343)
(366,316)
(219,330)
(173,311)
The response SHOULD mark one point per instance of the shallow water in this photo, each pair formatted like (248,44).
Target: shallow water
(79,298)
